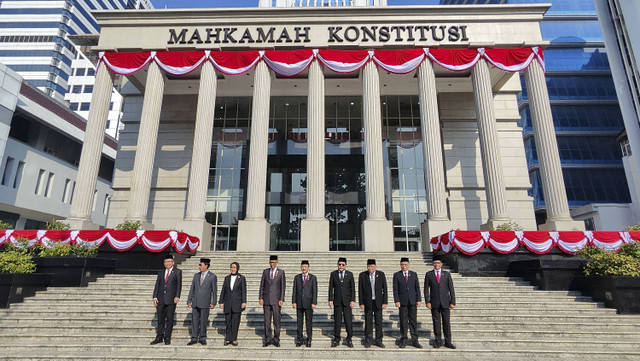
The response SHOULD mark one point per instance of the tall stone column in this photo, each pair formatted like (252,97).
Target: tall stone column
(254,230)
(377,231)
(82,204)
(555,195)
(489,146)
(146,147)
(194,221)
(314,233)
(438,221)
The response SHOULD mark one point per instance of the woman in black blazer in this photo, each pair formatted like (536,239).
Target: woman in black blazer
(233,301)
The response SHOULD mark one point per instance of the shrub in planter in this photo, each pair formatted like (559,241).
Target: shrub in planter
(60,250)
(625,262)
(16,261)
(510,226)
(5,225)
(128,226)
(57,226)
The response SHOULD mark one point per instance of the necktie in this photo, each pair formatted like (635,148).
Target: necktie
(373,285)
(341,276)
(202,275)
(272,274)
(304,279)
(406,277)
(438,276)
(166,277)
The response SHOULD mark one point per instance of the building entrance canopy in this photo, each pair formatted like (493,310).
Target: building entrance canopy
(294,62)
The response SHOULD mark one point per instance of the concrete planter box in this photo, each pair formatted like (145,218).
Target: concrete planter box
(619,292)
(15,287)
(549,274)
(139,260)
(74,271)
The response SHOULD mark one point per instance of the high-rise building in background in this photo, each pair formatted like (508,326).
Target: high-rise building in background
(622,39)
(34,42)
(586,114)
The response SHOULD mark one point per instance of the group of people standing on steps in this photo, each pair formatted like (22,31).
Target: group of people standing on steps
(373,296)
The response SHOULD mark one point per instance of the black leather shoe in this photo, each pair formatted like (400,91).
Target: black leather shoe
(203,343)
(276,343)
(266,343)
(227,343)
(192,342)
(298,343)
(416,344)
(167,341)
(402,343)
(335,343)
(450,345)
(367,345)
(308,342)
(348,343)
(436,345)
(380,344)
(156,341)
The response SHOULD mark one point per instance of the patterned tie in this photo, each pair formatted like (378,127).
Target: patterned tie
(304,279)
(202,276)
(166,277)
(438,276)
(406,277)
(272,274)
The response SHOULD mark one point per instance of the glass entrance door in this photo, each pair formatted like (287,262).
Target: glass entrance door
(345,207)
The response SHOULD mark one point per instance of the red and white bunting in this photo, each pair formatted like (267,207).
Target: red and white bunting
(154,241)
(293,62)
(539,242)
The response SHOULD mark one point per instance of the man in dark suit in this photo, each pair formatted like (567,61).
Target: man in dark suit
(305,299)
(271,293)
(202,297)
(342,297)
(373,297)
(166,295)
(440,298)
(407,297)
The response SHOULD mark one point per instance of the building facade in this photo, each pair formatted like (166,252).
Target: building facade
(622,40)
(40,145)
(329,158)
(587,116)
(34,37)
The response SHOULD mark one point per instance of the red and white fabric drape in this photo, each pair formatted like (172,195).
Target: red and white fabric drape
(539,242)
(293,62)
(154,241)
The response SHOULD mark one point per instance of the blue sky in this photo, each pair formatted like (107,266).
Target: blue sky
(175,4)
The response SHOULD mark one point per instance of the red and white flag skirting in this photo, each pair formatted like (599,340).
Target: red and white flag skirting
(153,241)
(293,62)
(539,242)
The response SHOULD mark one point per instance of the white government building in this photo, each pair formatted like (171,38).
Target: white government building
(345,155)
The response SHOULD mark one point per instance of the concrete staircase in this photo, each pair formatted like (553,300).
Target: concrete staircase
(496,318)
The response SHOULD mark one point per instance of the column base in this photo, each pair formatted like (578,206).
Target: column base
(377,236)
(433,228)
(562,225)
(82,224)
(492,224)
(253,235)
(197,228)
(314,235)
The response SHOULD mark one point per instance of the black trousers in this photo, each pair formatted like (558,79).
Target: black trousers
(199,321)
(232,322)
(272,311)
(371,313)
(340,313)
(409,317)
(166,314)
(305,313)
(441,314)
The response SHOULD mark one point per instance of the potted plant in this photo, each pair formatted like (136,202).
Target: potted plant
(17,275)
(613,277)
